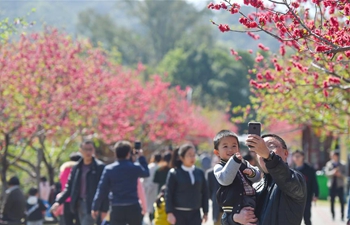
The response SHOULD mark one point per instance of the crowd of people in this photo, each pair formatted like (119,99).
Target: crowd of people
(171,189)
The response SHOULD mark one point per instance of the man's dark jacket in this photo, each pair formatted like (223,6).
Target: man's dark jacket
(72,188)
(281,195)
(311,181)
(14,206)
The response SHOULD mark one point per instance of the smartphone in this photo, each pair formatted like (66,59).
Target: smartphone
(254,128)
(137,147)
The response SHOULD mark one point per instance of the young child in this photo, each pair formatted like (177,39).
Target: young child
(35,208)
(160,216)
(235,176)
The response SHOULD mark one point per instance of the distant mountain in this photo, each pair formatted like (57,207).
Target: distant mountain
(63,14)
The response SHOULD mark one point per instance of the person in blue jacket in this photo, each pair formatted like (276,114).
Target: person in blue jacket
(120,178)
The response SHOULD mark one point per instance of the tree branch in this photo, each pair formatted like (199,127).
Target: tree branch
(65,144)
(31,165)
(29,172)
(22,150)
(308,29)
(329,72)
(338,49)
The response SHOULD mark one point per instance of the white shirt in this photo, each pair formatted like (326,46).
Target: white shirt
(190,171)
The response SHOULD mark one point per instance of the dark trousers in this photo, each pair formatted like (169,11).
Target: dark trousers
(123,215)
(69,217)
(333,192)
(192,217)
(307,212)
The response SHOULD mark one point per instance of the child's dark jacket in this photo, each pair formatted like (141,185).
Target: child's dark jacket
(231,192)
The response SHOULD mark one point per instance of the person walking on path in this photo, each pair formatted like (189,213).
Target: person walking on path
(13,205)
(120,178)
(35,208)
(162,171)
(336,171)
(186,189)
(65,170)
(151,188)
(82,185)
(311,183)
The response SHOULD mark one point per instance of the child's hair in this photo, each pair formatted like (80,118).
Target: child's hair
(222,134)
(160,196)
(33,191)
(175,158)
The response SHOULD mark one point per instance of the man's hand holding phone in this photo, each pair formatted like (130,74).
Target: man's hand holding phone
(138,149)
(257,144)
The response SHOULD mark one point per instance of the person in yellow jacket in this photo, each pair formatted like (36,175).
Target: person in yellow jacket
(160,216)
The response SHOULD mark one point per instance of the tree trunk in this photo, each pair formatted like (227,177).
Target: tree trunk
(4,165)
(51,173)
(38,165)
(315,147)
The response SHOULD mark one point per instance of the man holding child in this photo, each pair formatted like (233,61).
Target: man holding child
(280,194)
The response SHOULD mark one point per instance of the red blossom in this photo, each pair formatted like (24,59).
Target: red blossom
(259,58)
(295,4)
(347,53)
(277,86)
(233,52)
(254,36)
(282,50)
(325,84)
(347,10)
(325,93)
(210,5)
(234,10)
(262,47)
(340,57)
(223,5)
(224,28)
(334,80)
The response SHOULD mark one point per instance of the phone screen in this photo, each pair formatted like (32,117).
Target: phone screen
(137,145)
(254,128)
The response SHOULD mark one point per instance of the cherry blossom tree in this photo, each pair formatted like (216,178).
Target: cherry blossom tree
(308,80)
(54,89)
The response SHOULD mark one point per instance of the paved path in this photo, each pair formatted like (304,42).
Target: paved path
(320,215)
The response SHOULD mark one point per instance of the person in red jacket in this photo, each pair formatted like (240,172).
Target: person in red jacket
(65,169)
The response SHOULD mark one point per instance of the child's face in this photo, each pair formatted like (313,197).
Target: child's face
(228,146)
(189,158)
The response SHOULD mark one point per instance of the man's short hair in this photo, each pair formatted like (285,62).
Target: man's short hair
(222,134)
(13,181)
(157,157)
(33,191)
(278,138)
(122,149)
(298,151)
(335,153)
(87,142)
